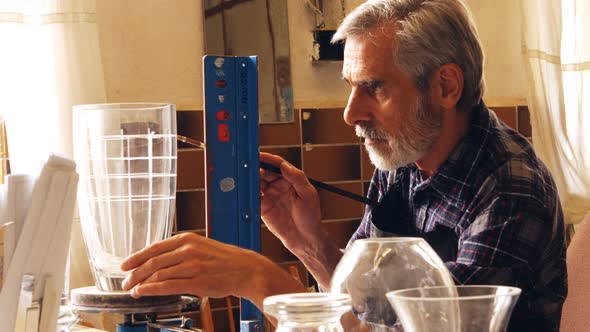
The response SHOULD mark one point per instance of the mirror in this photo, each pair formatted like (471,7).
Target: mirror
(255,27)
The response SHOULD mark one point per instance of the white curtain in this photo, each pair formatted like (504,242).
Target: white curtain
(556,35)
(49,61)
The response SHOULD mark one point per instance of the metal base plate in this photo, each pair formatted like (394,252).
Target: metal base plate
(93,300)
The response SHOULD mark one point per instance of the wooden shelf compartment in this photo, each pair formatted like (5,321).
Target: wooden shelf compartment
(336,163)
(325,126)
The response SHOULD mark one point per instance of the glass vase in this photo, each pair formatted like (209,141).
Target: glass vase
(126,158)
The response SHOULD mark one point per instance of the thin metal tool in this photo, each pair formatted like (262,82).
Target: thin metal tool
(190,141)
(275,169)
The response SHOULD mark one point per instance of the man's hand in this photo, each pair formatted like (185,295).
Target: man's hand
(192,264)
(290,205)
(290,208)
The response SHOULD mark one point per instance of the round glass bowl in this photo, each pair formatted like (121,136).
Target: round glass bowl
(372,267)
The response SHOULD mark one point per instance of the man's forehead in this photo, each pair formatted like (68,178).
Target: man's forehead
(367,53)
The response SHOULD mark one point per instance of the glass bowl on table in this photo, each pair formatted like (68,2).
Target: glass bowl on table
(475,308)
(372,267)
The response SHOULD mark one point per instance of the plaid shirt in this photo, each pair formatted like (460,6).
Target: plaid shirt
(499,207)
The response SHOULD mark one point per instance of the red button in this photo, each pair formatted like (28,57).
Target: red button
(222,132)
(220,83)
(222,115)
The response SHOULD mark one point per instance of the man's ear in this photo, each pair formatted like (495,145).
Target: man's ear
(447,85)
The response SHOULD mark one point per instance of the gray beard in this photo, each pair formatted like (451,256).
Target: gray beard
(415,138)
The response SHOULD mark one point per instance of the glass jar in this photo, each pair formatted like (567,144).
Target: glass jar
(307,312)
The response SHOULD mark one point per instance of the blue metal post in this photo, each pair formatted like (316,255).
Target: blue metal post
(231,137)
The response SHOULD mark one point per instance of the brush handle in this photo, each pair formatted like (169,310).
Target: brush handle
(325,186)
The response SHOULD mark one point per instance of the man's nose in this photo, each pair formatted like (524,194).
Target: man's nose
(356,109)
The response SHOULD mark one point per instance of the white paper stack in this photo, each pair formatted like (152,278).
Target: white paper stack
(41,210)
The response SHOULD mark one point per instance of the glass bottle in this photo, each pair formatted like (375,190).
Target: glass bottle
(308,312)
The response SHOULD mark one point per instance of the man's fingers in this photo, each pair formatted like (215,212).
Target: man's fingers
(270,158)
(168,287)
(145,254)
(292,174)
(268,176)
(278,187)
(178,271)
(150,266)
(296,177)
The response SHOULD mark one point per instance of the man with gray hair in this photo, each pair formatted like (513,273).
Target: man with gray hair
(448,170)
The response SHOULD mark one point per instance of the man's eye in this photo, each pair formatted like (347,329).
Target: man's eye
(372,89)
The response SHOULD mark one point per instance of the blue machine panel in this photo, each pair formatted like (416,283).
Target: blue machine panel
(231,137)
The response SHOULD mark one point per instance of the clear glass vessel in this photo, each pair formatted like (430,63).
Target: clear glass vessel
(126,158)
(372,267)
(473,309)
(307,312)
